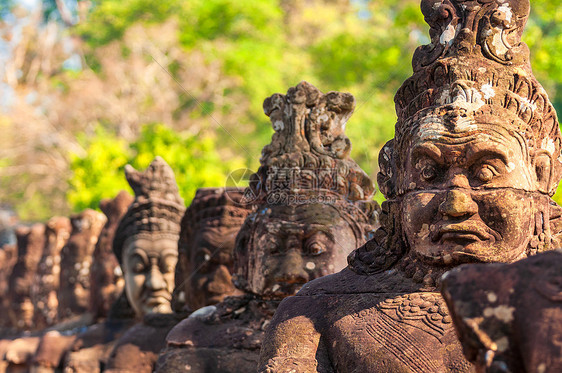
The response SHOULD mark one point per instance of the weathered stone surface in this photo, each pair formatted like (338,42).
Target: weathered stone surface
(46,284)
(17,354)
(206,247)
(8,258)
(467,177)
(312,208)
(76,261)
(138,349)
(30,246)
(509,316)
(90,350)
(50,351)
(106,277)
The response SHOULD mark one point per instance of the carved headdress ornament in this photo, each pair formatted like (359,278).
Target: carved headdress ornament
(309,151)
(477,67)
(157,208)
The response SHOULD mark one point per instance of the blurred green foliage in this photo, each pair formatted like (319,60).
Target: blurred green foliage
(271,45)
(362,47)
(100,173)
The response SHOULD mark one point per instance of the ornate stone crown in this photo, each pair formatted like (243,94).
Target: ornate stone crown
(309,151)
(157,208)
(475,65)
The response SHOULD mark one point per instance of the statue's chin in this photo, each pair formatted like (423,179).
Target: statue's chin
(158,308)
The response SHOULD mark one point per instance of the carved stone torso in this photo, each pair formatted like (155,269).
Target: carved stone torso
(356,323)
(223,338)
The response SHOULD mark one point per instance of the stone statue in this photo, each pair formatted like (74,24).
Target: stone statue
(30,242)
(468,178)
(46,284)
(312,208)
(146,244)
(206,245)
(106,276)
(509,316)
(8,258)
(106,284)
(75,264)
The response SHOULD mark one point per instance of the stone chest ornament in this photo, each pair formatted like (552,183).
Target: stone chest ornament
(468,178)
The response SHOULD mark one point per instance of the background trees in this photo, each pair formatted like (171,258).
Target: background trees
(91,85)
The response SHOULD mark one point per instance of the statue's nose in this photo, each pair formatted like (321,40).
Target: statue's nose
(458,203)
(291,269)
(155,279)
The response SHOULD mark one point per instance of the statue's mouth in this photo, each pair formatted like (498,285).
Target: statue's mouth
(463,233)
(156,298)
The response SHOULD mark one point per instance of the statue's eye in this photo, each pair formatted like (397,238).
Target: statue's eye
(315,248)
(428,172)
(486,173)
(138,266)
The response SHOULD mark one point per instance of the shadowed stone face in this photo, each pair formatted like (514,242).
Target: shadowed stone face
(468,197)
(209,266)
(291,245)
(206,247)
(149,264)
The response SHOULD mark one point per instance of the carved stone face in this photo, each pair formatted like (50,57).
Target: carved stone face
(209,266)
(469,184)
(149,264)
(296,244)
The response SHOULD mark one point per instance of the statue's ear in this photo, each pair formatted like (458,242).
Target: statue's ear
(542,161)
(386,177)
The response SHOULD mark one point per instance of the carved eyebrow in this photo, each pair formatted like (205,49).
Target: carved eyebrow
(312,229)
(486,150)
(140,253)
(428,150)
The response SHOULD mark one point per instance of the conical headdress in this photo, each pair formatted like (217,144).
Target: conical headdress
(309,151)
(157,208)
(476,66)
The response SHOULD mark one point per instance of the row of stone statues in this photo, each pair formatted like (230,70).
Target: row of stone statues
(105,293)
(302,271)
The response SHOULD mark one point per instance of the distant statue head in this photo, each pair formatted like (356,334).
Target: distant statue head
(76,261)
(146,240)
(30,242)
(107,277)
(476,155)
(47,278)
(313,201)
(208,232)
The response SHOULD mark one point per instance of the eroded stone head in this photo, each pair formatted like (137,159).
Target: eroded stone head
(208,232)
(76,262)
(30,242)
(106,276)
(47,279)
(476,155)
(146,240)
(313,201)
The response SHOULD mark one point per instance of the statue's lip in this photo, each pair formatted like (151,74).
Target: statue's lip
(157,298)
(466,231)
